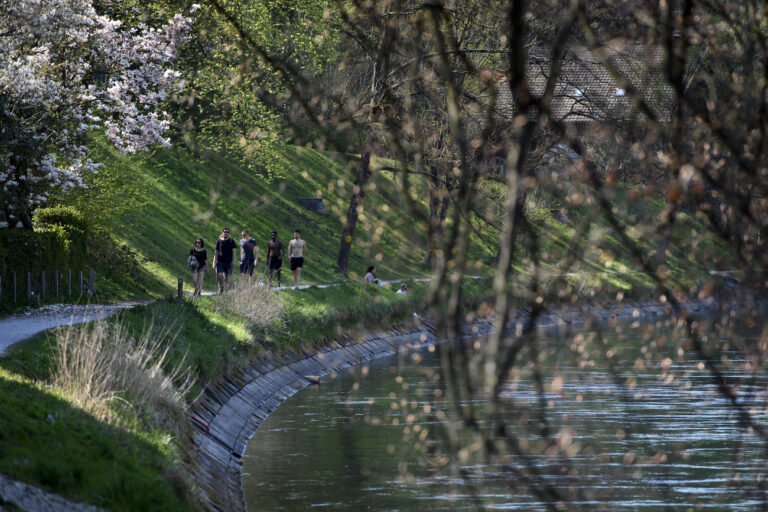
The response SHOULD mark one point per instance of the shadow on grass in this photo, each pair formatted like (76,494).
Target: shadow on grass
(47,442)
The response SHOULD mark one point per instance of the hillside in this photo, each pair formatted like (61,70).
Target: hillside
(175,198)
(153,206)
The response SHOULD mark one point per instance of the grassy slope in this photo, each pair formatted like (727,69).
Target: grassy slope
(182,198)
(48,441)
(190,198)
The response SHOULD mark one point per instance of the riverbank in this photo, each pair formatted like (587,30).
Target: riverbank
(229,412)
(116,450)
(226,351)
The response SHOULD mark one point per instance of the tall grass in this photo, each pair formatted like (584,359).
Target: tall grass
(102,362)
(254,302)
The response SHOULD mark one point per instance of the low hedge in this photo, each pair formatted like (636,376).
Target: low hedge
(24,251)
(75,227)
(58,242)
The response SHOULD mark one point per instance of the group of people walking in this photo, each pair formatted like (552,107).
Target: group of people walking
(225,256)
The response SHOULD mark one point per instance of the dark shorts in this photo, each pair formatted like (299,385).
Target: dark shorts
(246,267)
(224,268)
(275,263)
(297,263)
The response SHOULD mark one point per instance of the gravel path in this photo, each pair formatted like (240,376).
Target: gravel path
(15,495)
(25,325)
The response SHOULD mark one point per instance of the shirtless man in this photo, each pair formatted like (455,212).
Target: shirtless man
(275,251)
(296,249)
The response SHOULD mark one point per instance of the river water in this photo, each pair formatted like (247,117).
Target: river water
(654,435)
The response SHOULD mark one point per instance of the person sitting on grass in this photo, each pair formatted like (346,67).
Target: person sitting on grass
(370,276)
(403,289)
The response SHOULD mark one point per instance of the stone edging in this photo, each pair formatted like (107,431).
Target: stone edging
(236,405)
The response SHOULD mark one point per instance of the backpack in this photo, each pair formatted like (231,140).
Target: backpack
(192,263)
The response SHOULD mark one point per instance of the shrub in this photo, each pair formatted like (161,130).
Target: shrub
(24,251)
(66,216)
(74,226)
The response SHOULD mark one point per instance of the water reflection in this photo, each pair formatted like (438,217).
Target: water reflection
(653,435)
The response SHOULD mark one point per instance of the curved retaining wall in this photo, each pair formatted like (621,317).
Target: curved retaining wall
(236,405)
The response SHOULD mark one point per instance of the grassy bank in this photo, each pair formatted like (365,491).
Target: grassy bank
(123,452)
(125,448)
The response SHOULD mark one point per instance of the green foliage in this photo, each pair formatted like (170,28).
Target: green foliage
(24,251)
(65,216)
(114,191)
(233,100)
(75,228)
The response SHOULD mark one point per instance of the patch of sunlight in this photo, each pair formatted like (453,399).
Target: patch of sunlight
(162,274)
(14,377)
(313,310)
(237,328)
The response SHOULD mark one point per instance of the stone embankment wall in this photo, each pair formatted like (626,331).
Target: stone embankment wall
(231,410)
(236,405)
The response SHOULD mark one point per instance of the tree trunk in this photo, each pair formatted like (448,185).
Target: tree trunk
(438,211)
(26,219)
(378,85)
(363,175)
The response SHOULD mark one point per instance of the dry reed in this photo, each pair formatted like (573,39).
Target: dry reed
(101,361)
(253,301)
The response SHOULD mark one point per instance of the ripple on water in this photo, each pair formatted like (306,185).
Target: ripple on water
(321,445)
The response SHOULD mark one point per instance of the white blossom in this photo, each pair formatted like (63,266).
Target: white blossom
(65,70)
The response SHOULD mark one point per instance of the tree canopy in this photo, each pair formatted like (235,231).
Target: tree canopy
(64,70)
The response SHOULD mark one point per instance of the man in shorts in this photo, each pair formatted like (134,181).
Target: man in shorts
(296,249)
(275,251)
(223,257)
(249,255)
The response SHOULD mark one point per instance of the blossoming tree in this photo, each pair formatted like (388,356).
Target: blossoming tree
(64,70)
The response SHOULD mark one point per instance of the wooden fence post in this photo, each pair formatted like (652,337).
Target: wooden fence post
(42,285)
(69,281)
(91,291)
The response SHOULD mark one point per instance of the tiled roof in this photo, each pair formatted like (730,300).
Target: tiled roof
(586,90)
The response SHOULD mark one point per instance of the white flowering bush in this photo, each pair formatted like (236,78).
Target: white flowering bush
(64,70)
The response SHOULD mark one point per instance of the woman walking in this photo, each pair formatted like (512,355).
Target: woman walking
(198,272)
